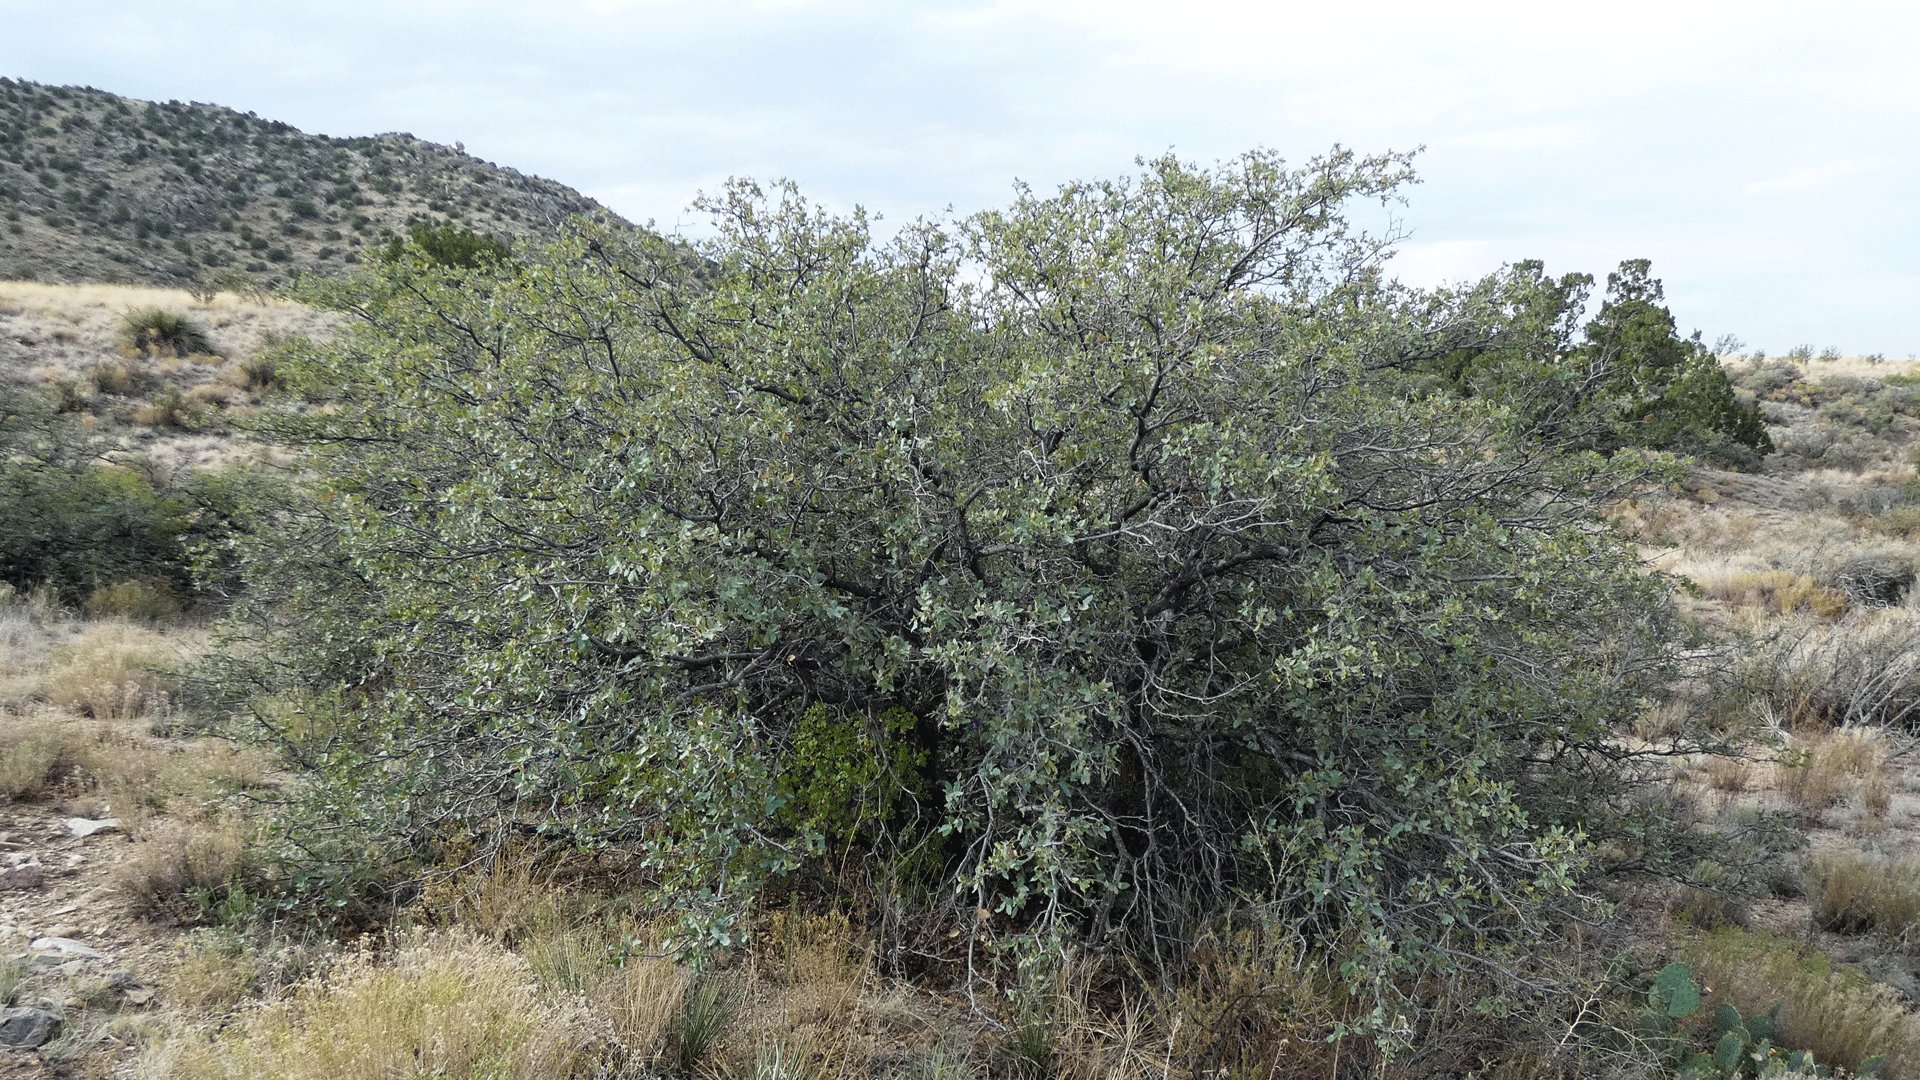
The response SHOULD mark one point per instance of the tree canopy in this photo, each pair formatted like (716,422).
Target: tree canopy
(1112,558)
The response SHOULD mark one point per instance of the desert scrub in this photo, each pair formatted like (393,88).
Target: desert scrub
(1856,895)
(445,1005)
(112,672)
(155,332)
(1781,592)
(1838,1015)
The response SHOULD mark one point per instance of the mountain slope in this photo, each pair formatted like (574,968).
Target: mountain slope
(97,187)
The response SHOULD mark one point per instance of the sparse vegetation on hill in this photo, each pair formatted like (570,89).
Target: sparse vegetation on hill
(97,187)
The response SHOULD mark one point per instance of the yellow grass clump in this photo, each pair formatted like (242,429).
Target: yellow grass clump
(113,672)
(1828,768)
(445,1004)
(1781,592)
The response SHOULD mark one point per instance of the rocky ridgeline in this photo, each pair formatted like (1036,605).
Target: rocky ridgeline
(97,187)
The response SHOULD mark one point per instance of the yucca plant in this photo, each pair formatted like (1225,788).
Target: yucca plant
(154,332)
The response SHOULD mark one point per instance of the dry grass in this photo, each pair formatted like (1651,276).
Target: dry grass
(1857,895)
(1780,592)
(1827,768)
(37,753)
(175,865)
(642,1000)
(217,970)
(445,1005)
(113,671)
(1836,1014)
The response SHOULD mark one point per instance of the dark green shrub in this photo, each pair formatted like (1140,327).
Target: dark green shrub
(446,245)
(155,332)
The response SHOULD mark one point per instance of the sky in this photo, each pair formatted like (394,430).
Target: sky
(1765,156)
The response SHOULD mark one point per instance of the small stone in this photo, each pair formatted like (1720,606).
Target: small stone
(84,827)
(57,943)
(24,876)
(28,1027)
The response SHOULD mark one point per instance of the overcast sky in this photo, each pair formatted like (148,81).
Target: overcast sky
(1763,155)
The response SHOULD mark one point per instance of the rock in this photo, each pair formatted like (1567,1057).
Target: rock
(66,945)
(28,1027)
(25,876)
(83,827)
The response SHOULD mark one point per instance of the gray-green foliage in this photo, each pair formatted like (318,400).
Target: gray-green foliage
(1130,495)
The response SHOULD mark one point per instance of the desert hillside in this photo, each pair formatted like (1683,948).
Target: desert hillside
(95,187)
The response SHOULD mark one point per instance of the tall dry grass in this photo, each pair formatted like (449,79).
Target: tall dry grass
(1855,895)
(1838,1015)
(444,1005)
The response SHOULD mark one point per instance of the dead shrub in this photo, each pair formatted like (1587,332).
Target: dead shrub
(1864,671)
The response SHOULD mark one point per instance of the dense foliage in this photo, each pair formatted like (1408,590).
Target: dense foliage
(78,514)
(1626,379)
(1123,534)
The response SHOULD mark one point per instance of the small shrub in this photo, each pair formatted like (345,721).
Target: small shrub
(113,377)
(145,600)
(154,332)
(180,869)
(262,372)
(168,409)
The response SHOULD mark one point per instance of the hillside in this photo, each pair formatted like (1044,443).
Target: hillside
(95,187)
